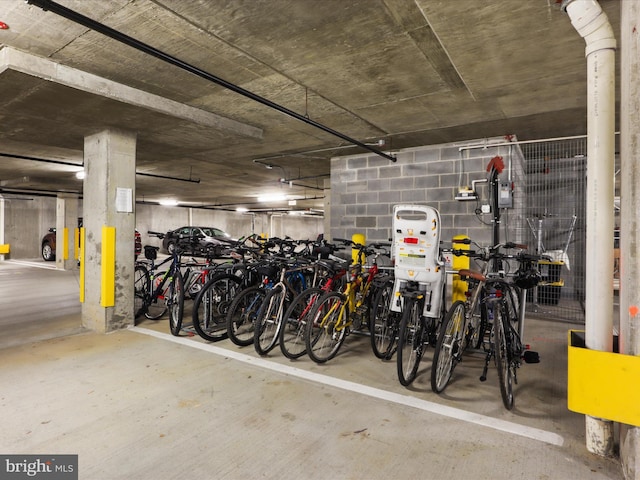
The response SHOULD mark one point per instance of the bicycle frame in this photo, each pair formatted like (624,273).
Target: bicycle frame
(353,301)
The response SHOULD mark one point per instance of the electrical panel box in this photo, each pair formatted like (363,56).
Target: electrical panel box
(505,195)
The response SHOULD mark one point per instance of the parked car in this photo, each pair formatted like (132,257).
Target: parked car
(196,240)
(48,245)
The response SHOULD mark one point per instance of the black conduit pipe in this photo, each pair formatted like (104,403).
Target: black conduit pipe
(62,162)
(48,5)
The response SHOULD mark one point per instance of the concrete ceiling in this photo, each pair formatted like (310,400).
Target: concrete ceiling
(409,72)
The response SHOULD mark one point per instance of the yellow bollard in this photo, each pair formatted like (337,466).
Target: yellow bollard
(82,263)
(65,243)
(108,267)
(76,244)
(460,287)
(357,238)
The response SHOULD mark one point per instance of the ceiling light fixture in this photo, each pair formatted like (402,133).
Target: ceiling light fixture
(242,209)
(168,202)
(268,166)
(80,175)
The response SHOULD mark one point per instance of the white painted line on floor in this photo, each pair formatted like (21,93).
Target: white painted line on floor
(456,413)
(33,264)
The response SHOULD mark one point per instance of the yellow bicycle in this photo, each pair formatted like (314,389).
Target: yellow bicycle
(338,313)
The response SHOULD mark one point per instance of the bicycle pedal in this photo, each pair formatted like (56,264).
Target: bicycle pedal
(531,357)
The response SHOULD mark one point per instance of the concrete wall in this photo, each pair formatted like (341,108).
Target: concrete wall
(162,219)
(27,220)
(364,189)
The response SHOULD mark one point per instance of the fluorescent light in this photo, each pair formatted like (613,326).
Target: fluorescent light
(242,209)
(169,202)
(273,197)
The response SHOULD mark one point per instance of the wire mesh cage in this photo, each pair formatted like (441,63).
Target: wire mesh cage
(555,223)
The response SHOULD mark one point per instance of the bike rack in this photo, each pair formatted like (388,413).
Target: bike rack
(602,384)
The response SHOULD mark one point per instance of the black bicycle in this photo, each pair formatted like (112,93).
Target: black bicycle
(157,290)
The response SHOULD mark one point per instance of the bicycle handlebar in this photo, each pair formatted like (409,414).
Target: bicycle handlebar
(489,253)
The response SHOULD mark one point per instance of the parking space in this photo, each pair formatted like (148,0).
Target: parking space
(188,408)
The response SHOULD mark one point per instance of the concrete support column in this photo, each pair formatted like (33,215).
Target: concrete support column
(327,209)
(66,217)
(629,208)
(109,200)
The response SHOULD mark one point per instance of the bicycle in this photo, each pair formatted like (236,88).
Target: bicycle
(419,286)
(506,310)
(270,316)
(292,333)
(242,313)
(212,303)
(385,323)
(464,324)
(156,292)
(492,316)
(339,313)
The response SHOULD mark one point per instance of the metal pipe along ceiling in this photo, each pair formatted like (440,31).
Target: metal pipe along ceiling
(48,5)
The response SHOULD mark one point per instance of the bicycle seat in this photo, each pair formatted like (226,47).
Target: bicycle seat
(472,274)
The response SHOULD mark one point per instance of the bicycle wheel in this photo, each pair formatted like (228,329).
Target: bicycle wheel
(268,320)
(211,306)
(326,329)
(384,323)
(141,289)
(175,303)
(503,361)
(449,347)
(242,313)
(291,338)
(157,307)
(410,341)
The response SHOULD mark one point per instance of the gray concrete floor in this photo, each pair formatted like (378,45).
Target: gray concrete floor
(142,404)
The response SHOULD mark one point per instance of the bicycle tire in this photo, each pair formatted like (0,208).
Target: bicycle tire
(384,323)
(212,304)
(157,307)
(503,360)
(140,290)
(242,313)
(410,341)
(449,346)
(175,303)
(322,338)
(292,332)
(269,320)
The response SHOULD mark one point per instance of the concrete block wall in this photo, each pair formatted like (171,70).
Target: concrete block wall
(364,189)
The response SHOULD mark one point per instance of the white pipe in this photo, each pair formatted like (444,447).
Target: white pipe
(593,25)
(521,142)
